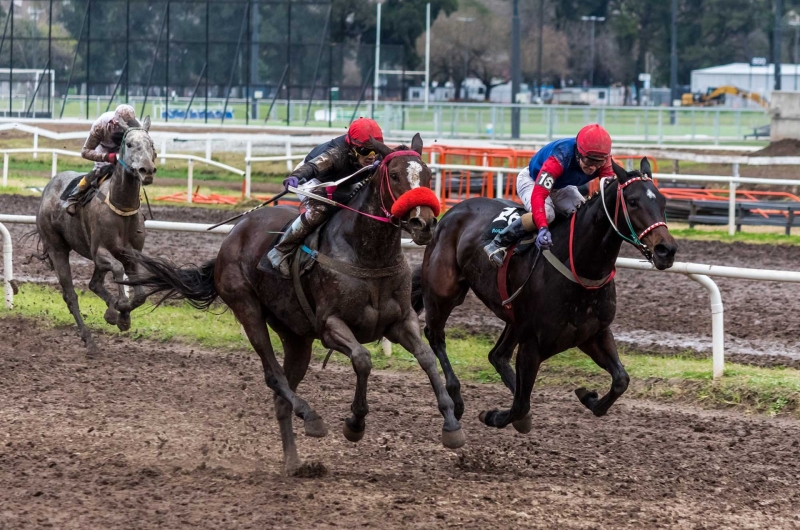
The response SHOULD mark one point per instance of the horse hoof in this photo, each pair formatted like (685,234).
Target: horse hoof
(351,435)
(111,316)
(524,425)
(123,306)
(482,416)
(124,321)
(453,439)
(587,397)
(315,428)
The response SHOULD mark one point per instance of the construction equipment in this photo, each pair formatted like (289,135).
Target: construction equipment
(716,96)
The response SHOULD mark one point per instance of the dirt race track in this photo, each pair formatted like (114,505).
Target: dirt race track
(154,435)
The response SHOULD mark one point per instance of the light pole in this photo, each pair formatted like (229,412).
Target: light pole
(592,19)
(515,70)
(795,23)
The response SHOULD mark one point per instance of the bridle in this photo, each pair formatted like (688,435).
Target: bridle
(634,238)
(121,160)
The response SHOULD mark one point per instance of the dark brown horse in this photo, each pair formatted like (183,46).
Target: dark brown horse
(103,231)
(352,306)
(552,312)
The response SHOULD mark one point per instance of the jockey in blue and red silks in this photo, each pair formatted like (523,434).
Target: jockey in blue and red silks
(549,185)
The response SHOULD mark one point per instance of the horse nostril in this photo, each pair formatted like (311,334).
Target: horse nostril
(664,251)
(415,223)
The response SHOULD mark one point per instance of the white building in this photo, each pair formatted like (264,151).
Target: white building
(758,79)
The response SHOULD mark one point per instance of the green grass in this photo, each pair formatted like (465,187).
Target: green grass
(675,378)
(742,237)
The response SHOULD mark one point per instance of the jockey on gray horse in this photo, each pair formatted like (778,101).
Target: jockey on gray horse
(101,147)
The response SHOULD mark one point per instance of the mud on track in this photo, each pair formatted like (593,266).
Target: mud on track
(656,312)
(155,435)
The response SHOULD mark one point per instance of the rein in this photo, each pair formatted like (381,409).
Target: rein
(107,199)
(634,239)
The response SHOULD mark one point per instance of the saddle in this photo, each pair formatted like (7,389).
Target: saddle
(88,194)
(508,215)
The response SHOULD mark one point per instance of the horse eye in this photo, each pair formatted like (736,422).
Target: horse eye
(633,203)
(393,175)
(129,144)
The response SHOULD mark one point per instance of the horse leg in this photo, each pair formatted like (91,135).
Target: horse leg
(337,335)
(603,351)
(297,354)
(250,314)
(440,300)
(528,361)
(406,333)
(97,286)
(500,357)
(105,262)
(63,270)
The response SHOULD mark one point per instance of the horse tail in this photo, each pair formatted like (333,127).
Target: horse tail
(192,283)
(41,253)
(417,301)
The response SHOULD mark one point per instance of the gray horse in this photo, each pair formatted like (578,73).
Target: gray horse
(104,230)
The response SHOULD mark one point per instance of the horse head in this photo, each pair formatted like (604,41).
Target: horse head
(407,179)
(137,152)
(645,207)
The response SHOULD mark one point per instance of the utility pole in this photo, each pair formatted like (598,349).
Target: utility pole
(255,37)
(427,53)
(593,19)
(515,70)
(673,61)
(376,83)
(795,23)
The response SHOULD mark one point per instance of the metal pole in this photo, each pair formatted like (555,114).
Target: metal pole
(155,57)
(330,84)
(427,53)
(88,56)
(717,323)
(796,35)
(35,92)
(255,30)
(248,63)
(11,70)
(235,60)
(50,106)
(319,59)
(74,56)
(208,15)
(591,65)
(361,94)
(541,44)
(673,61)
(732,201)
(377,67)
(166,73)
(194,92)
(127,48)
(515,70)
(777,43)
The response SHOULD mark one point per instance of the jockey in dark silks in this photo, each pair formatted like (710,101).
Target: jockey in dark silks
(325,163)
(549,185)
(101,147)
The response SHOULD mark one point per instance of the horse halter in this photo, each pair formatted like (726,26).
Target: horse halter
(634,238)
(383,171)
(122,149)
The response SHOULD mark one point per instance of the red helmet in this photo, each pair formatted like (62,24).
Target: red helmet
(360,131)
(594,142)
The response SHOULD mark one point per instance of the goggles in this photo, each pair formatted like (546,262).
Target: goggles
(592,162)
(364,151)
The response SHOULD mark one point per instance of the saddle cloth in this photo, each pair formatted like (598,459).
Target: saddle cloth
(510,213)
(306,261)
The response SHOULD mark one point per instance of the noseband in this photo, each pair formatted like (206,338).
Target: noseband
(633,239)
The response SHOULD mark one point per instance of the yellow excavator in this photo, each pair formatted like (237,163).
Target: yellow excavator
(715,96)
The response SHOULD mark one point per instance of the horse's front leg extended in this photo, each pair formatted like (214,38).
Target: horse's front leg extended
(98,287)
(528,361)
(134,270)
(406,333)
(603,350)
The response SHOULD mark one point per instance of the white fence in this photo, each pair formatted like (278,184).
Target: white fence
(696,271)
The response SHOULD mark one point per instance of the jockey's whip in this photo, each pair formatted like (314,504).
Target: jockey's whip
(235,217)
(295,190)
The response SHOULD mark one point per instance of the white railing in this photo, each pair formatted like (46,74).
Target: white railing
(190,161)
(695,271)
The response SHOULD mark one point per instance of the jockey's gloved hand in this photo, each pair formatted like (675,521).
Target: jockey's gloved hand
(544,239)
(291,181)
(112,157)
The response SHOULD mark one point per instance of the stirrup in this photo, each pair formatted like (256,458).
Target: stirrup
(491,255)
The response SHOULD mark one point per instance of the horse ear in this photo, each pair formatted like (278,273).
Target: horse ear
(644,167)
(380,147)
(619,171)
(416,144)
(146,124)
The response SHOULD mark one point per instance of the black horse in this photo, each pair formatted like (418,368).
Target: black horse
(354,301)
(552,312)
(104,230)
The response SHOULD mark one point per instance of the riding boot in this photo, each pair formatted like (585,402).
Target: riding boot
(496,249)
(299,230)
(77,194)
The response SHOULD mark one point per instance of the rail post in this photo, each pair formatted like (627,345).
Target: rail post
(208,148)
(54,169)
(35,145)
(163,151)
(732,200)
(8,273)
(5,170)
(247,169)
(438,179)
(386,344)
(717,323)
(289,166)
(190,168)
